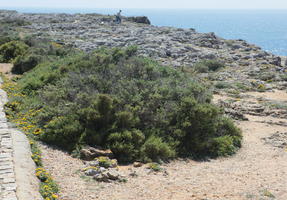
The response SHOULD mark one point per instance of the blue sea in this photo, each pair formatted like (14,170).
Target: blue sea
(265,28)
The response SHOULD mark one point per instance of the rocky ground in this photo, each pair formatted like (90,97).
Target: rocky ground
(251,89)
(174,46)
(170,46)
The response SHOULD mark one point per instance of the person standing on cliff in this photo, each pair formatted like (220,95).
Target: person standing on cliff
(119,17)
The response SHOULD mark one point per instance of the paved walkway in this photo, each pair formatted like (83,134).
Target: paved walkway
(17,179)
(7,172)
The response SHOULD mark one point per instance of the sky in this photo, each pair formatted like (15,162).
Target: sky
(171,4)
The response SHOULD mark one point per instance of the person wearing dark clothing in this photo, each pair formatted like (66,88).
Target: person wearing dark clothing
(119,17)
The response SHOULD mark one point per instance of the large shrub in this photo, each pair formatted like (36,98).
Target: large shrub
(11,50)
(133,105)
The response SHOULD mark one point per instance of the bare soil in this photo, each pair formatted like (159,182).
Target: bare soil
(5,68)
(257,171)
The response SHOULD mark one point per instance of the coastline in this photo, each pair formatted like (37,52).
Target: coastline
(261,27)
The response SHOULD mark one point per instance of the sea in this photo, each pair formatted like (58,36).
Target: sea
(265,28)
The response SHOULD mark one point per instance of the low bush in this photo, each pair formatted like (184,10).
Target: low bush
(63,131)
(223,146)
(222,85)
(15,22)
(11,50)
(155,167)
(205,66)
(126,145)
(154,149)
(283,77)
(8,32)
(267,76)
(24,63)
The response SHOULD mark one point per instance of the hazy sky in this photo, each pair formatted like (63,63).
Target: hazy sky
(195,4)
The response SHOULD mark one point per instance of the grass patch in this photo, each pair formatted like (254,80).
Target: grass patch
(268,194)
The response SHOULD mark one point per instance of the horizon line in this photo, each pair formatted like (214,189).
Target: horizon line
(21,7)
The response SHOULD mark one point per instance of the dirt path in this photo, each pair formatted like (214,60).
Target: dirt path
(257,171)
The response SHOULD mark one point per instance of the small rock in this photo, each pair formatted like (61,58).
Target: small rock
(91,172)
(140,19)
(90,153)
(94,163)
(100,152)
(102,169)
(113,175)
(85,154)
(137,164)
(101,178)
(133,174)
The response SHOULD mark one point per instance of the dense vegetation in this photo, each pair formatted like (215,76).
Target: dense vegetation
(27,52)
(115,99)
(139,109)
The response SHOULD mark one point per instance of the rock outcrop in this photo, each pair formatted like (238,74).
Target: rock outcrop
(171,46)
(140,20)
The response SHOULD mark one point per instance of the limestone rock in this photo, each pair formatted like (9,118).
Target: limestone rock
(101,178)
(137,164)
(91,172)
(90,153)
(113,174)
(141,19)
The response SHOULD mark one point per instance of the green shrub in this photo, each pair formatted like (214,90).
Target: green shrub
(126,145)
(242,86)
(266,76)
(131,51)
(11,50)
(201,67)
(8,33)
(283,77)
(223,146)
(63,131)
(196,126)
(205,66)
(155,149)
(49,189)
(6,39)
(25,63)
(106,162)
(12,21)
(1,59)
(222,85)
(132,105)
(155,167)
